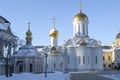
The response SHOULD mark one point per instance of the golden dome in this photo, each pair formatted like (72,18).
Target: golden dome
(54,33)
(80,17)
(28,33)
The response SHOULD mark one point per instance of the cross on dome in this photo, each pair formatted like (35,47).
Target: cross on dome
(80,6)
(29,25)
(54,19)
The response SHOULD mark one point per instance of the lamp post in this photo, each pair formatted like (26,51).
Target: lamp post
(6,66)
(46,65)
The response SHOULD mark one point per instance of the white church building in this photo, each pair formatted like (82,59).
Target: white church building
(80,53)
(27,59)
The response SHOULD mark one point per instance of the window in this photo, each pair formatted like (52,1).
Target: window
(68,59)
(103,57)
(109,57)
(79,60)
(88,59)
(96,59)
(83,59)
(83,29)
(104,65)
(54,65)
(109,65)
(61,64)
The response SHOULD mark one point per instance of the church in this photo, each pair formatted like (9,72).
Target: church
(27,59)
(80,53)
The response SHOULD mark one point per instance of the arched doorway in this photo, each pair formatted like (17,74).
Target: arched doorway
(30,68)
(20,68)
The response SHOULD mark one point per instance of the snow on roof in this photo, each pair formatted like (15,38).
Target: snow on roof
(107,50)
(27,50)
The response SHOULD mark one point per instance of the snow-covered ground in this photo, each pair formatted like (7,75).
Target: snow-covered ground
(112,76)
(30,76)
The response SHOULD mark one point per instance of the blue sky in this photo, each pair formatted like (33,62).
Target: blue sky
(104,18)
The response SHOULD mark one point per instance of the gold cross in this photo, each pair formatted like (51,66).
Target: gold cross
(28,25)
(80,5)
(54,19)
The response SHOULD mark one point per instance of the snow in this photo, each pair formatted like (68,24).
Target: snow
(112,76)
(29,76)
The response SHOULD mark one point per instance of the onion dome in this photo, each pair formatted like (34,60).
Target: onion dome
(28,35)
(54,33)
(80,17)
(118,35)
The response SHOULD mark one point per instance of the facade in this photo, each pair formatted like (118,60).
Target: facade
(108,58)
(111,55)
(27,59)
(8,45)
(80,53)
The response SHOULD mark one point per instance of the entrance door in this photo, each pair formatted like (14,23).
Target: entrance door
(30,68)
(20,68)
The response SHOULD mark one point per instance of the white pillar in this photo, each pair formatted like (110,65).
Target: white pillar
(80,28)
(54,41)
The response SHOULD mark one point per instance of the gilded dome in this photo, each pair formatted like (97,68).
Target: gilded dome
(54,33)
(28,33)
(80,17)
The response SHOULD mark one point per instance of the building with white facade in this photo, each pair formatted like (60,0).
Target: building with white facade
(80,53)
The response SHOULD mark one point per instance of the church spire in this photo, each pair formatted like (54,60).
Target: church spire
(28,35)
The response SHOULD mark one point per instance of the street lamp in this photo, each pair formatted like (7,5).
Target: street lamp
(46,65)
(6,66)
